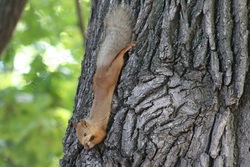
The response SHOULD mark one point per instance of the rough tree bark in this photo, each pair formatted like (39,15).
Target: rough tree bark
(183,97)
(10,13)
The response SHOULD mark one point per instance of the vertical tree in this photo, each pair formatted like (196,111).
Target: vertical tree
(10,13)
(183,95)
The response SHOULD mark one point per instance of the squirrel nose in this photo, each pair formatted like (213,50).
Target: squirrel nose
(86,146)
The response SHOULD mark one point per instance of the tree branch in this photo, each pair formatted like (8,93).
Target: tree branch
(10,12)
(80,20)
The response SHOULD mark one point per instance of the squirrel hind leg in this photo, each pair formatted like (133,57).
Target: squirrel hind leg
(124,50)
(116,65)
(119,58)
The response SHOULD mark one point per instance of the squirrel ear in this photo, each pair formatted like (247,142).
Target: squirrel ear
(74,123)
(91,138)
(83,122)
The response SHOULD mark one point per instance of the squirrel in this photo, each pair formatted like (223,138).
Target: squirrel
(118,25)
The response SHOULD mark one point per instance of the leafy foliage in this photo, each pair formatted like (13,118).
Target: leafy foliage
(38,79)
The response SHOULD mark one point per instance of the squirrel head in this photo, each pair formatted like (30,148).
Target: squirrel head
(88,134)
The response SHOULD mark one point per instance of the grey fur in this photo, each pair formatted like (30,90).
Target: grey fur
(118,26)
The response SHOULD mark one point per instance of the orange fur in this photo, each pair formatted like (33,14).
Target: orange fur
(93,130)
(118,32)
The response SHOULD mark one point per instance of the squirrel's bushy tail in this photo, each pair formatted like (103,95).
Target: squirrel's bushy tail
(118,26)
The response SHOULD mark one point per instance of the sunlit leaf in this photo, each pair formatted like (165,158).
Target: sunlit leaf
(38,79)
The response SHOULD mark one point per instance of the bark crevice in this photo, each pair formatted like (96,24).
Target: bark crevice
(179,90)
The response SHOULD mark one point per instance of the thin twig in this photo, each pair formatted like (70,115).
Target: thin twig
(80,20)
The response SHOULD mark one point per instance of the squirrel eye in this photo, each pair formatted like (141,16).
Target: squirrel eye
(84,134)
(91,138)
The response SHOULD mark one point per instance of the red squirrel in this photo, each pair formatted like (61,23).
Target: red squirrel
(118,26)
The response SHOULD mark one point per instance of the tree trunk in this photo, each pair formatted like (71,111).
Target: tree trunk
(183,97)
(10,13)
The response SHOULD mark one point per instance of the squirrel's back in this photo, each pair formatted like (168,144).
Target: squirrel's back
(118,26)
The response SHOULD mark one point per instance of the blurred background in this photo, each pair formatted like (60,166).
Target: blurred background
(38,78)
